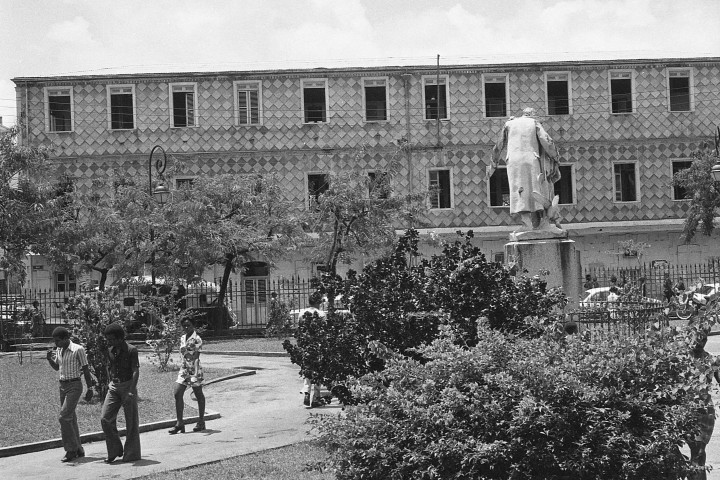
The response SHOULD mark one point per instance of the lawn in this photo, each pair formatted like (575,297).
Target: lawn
(249,344)
(31,403)
(299,461)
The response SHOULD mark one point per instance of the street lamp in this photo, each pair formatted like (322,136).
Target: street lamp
(161,192)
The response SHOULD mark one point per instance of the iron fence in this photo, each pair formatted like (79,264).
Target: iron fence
(247,302)
(653,276)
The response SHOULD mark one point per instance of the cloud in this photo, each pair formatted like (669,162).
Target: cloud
(73,31)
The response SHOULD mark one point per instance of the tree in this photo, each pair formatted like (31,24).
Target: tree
(701,189)
(359,212)
(94,228)
(27,200)
(226,220)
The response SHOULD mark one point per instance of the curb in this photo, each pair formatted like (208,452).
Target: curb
(243,353)
(100,436)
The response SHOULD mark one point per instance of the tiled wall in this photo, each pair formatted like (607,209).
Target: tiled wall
(591,137)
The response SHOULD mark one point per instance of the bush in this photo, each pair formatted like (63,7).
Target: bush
(279,322)
(88,317)
(399,302)
(163,335)
(521,408)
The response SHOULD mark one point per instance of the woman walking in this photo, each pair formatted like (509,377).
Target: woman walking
(191,375)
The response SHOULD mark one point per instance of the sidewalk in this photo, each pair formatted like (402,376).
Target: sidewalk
(258,412)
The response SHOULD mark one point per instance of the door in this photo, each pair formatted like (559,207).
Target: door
(254,301)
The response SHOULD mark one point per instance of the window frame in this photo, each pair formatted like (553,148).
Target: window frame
(635,164)
(488,189)
(307,184)
(70,279)
(196,109)
(48,92)
(568,79)
(182,179)
(672,176)
(491,78)
(451,188)
(573,183)
(307,83)
(431,80)
(618,75)
(691,87)
(238,86)
(110,93)
(365,80)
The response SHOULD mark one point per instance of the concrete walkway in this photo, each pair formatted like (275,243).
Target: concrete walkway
(258,412)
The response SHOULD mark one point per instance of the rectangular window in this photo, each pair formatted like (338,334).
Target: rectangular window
(565,187)
(625,182)
(247,103)
(59,109)
(435,98)
(122,107)
(496,95)
(184,183)
(183,105)
(378,185)
(621,92)
(317,184)
(557,86)
(440,188)
(680,98)
(499,188)
(375,90)
(65,282)
(314,97)
(679,193)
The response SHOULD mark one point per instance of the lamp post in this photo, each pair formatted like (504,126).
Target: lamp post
(161,192)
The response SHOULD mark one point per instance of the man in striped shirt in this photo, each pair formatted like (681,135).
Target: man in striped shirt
(70,360)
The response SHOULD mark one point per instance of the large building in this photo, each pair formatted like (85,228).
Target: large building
(623,127)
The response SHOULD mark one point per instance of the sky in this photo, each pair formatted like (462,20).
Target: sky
(96,37)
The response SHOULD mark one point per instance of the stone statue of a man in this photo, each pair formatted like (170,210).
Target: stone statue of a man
(532,170)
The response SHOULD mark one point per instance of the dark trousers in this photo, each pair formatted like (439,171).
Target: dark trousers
(69,396)
(117,396)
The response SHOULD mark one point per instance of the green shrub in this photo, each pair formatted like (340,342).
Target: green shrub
(88,316)
(523,408)
(279,320)
(163,334)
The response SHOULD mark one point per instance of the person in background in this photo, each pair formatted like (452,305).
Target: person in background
(202,301)
(668,287)
(179,296)
(190,375)
(613,281)
(588,282)
(707,414)
(310,390)
(38,320)
(595,283)
(679,286)
(124,371)
(70,360)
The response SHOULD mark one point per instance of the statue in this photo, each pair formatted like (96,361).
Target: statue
(532,170)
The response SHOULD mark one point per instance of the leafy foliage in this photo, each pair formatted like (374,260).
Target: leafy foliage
(359,212)
(279,321)
(523,408)
(398,302)
(89,316)
(163,334)
(27,200)
(702,190)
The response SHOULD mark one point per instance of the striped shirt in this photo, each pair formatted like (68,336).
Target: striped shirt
(71,362)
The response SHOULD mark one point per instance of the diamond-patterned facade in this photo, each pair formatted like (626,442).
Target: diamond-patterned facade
(590,138)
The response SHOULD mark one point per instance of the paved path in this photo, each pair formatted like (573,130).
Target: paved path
(259,412)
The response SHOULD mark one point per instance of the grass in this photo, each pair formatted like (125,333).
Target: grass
(31,402)
(249,344)
(301,460)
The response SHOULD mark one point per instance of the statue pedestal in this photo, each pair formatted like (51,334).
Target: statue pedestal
(554,260)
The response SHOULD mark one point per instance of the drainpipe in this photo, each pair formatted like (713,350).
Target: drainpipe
(437,95)
(408,132)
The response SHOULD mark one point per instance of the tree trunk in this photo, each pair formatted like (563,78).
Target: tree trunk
(218,313)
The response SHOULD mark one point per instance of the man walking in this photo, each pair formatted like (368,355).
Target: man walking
(70,360)
(124,371)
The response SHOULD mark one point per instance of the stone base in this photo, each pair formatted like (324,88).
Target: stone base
(555,260)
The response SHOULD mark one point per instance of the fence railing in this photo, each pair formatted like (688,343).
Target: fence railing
(654,276)
(247,302)
(622,318)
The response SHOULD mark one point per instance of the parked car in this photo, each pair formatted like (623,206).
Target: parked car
(600,297)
